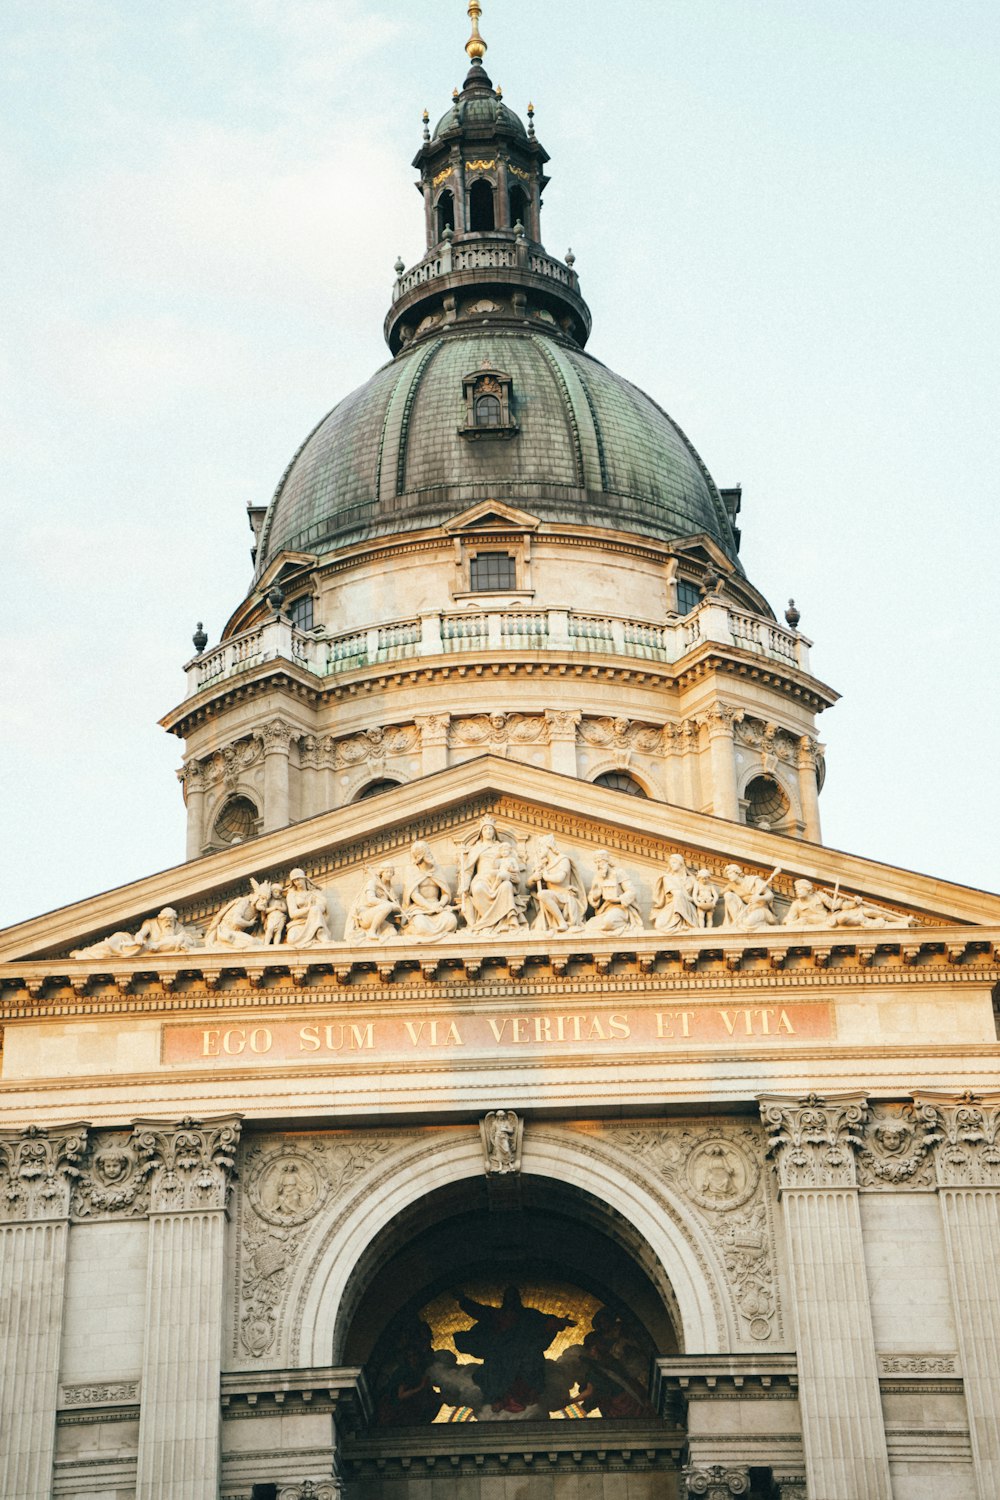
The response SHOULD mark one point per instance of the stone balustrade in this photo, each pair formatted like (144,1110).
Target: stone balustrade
(484,253)
(492,630)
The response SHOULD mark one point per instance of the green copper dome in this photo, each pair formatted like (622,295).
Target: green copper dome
(587,449)
(484,112)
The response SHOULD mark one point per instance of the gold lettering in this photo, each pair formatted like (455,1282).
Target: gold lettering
(210,1044)
(560,1031)
(363,1038)
(765,1024)
(309,1039)
(596,1032)
(260,1039)
(543,1029)
(520,1029)
(685,1016)
(784,1024)
(730,1021)
(498,1031)
(331,1045)
(233,1042)
(665,1023)
(454,1037)
(619,1026)
(415,1028)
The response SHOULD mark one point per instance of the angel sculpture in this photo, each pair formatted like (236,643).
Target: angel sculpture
(501,1131)
(560,894)
(376,911)
(235,925)
(489,883)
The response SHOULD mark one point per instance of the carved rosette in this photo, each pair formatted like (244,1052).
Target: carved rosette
(114,1181)
(190,1165)
(897,1147)
(717,1481)
(813,1140)
(967,1133)
(37,1171)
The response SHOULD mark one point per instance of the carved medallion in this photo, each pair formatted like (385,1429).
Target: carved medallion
(287,1189)
(720,1175)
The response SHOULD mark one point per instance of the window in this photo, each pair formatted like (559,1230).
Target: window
(518,207)
(491,572)
(767,804)
(482,215)
(445,214)
(488,411)
(688,596)
(300,612)
(237,822)
(264,1492)
(375,789)
(619,781)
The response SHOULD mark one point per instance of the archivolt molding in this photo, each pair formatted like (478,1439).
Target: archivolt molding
(292,1275)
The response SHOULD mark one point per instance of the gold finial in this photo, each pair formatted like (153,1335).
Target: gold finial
(475,46)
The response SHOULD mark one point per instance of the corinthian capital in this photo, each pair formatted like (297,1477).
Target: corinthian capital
(276,734)
(722,718)
(563,722)
(37,1171)
(967,1133)
(192,777)
(813,1140)
(190,1165)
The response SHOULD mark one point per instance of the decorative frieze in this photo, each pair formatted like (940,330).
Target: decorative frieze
(813,1140)
(114,1181)
(918,1364)
(309,1489)
(100,1393)
(896,1147)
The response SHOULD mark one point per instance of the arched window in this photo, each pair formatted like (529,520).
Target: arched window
(767,803)
(482,212)
(488,411)
(620,781)
(236,822)
(445,213)
(375,789)
(518,206)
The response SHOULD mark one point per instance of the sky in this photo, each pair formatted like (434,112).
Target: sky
(785,220)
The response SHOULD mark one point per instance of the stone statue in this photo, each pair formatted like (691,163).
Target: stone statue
(705,896)
(749,899)
(307,914)
(489,883)
(613,899)
(560,894)
(275,916)
(235,926)
(375,915)
(163,933)
(855,911)
(812,908)
(502,1132)
(673,898)
(428,911)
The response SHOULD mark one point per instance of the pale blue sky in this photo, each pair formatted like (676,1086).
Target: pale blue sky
(785,217)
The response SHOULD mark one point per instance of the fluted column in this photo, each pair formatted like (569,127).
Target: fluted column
(37,1168)
(276,738)
(967,1163)
(813,1142)
(190,1166)
(563,724)
(809,788)
(722,752)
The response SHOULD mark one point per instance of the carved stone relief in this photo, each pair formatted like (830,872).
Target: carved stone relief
(286,1185)
(717,1168)
(114,1180)
(100,1393)
(190,1165)
(309,1489)
(896,1148)
(502,1133)
(717,1481)
(498,731)
(621,735)
(813,1140)
(967,1135)
(37,1171)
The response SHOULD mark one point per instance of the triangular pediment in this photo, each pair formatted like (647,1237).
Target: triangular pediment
(492,514)
(671,859)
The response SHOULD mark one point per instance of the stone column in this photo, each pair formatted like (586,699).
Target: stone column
(967,1163)
(433,742)
(691,755)
(722,753)
(717,1481)
(37,1168)
(276,738)
(813,1142)
(190,1167)
(563,724)
(192,778)
(809,788)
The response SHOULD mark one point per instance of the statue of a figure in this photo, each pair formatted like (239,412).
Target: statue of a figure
(613,898)
(376,911)
(163,933)
(307,913)
(489,883)
(705,896)
(511,1341)
(235,926)
(275,916)
(673,898)
(812,908)
(749,899)
(501,1131)
(560,894)
(855,911)
(427,908)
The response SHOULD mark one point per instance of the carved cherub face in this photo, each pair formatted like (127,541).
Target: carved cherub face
(893,1136)
(112,1165)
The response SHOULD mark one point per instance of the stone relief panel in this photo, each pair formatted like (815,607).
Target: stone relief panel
(813,1140)
(286,1187)
(114,1180)
(498,732)
(190,1165)
(716,1167)
(37,1171)
(896,1149)
(966,1133)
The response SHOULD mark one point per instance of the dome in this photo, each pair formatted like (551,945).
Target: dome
(590,449)
(482,111)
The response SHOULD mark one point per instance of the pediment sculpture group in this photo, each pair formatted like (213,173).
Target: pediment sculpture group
(502,888)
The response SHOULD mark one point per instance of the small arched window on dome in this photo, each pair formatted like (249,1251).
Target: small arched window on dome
(767,804)
(445,213)
(237,821)
(620,781)
(518,206)
(488,402)
(376,788)
(482,207)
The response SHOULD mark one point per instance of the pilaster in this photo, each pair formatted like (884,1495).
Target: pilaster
(276,738)
(37,1168)
(813,1141)
(719,722)
(190,1167)
(809,789)
(433,742)
(967,1164)
(563,725)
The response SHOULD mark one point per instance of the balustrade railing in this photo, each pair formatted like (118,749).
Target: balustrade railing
(487,630)
(483,254)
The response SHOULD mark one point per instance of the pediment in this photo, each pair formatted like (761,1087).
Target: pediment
(568,846)
(490,514)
